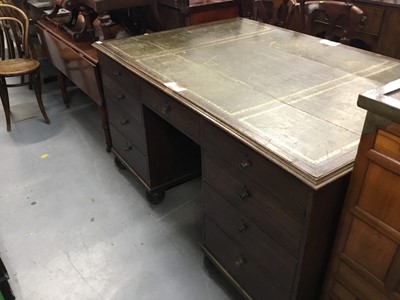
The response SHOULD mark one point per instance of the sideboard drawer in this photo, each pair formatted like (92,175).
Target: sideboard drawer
(125,78)
(388,144)
(175,113)
(286,188)
(241,266)
(276,261)
(132,156)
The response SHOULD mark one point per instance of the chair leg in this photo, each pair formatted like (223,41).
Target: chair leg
(63,87)
(5,101)
(37,86)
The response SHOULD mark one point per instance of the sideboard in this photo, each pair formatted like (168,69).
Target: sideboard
(268,116)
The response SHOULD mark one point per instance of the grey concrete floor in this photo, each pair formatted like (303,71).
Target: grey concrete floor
(73,226)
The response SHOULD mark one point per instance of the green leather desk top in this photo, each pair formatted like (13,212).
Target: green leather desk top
(290,97)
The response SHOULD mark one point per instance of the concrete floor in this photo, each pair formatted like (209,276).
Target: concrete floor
(73,226)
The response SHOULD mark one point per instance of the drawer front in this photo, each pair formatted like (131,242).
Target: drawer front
(278,264)
(288,189)
(255,202)
(117,73)
(116,94)
(128,152)
(130,127)
(175,113)
(241,266)
(388,144)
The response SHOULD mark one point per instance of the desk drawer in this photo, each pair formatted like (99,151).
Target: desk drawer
(278,264)
(388,144)
(131,156)
(288,189)
(129,126)
(175,113)
(240,265)
(116,94)
(259,205)
(122,76)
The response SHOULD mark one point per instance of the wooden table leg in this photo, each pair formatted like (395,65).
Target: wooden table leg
(105,126)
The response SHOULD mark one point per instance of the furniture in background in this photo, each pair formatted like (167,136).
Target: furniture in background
(365,262)
(381,23)
(90,20)
(381,26)
(182,13)
(78,62)
(16,58)
(332,20)
(275,157)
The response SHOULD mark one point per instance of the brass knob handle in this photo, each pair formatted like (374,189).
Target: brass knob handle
(116,74)
(124,122)
(166,108)
(244,194)
(242,227)
(128,148)
(239,262)
(120,96)
(244,164)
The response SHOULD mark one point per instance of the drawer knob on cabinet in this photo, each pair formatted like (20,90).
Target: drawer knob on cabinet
(124,122)
(242,227)
(244,194)
(116,74)
(128,148)
(166,108)
(244,164)
(120,96)
(239,262)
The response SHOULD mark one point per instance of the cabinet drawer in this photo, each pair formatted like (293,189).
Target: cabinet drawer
(116,94)
(175,113)
(388,144)
(288,189)
(241,266)
(278,264)
(117,73)
(131,156)
(255,202)
(130,127)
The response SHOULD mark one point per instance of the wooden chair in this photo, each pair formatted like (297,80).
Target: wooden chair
(273,12)
(332,20)
(16,58)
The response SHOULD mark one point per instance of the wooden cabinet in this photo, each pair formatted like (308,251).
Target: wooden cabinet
(366,259)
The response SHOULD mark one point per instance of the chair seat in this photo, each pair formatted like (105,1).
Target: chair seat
(18,66)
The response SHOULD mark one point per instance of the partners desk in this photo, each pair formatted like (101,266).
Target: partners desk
(270,117)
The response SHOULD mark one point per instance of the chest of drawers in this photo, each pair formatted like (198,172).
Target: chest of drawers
(275,226)
(366,259)
(159,155)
